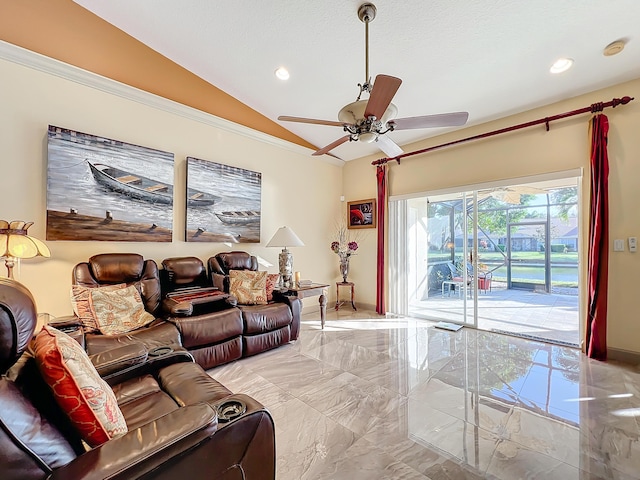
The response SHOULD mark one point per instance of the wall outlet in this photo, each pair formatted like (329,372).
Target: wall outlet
(618,245)
(633,244)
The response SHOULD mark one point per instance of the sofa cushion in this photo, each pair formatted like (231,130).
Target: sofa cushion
(86,398)
(29,427)
(249,287)
(82,307)
(210,328)
(142,400)
(119,311)
(265,318)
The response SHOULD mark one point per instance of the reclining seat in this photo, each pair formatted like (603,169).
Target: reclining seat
(130,269)
(210,326)
(179,419)
(265,326)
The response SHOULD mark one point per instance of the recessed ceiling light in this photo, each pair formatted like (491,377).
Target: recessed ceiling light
(561,65)
(282,73)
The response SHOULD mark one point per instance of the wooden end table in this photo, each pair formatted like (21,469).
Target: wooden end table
(311,291)
(353,294)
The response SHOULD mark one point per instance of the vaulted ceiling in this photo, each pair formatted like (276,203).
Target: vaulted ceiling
(488,57)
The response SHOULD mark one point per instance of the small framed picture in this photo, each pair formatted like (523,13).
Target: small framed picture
(361,214)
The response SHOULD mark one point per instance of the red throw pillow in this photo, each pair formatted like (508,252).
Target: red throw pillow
(272,282)
(85,397)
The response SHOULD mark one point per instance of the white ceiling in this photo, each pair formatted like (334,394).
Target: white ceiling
(488,57)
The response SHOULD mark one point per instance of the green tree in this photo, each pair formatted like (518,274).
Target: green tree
(492,215)
(568,198)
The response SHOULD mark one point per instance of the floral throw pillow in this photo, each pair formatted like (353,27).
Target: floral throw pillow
(272,283)
(85,397)
(119,311)
(81,303)
(249,287)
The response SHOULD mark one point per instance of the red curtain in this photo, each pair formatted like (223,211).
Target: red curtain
(381,176)
(596,334)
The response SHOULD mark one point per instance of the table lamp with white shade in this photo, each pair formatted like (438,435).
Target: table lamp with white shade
(285,237)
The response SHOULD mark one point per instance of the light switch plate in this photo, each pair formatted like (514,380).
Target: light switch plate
(618,245)
(633,244)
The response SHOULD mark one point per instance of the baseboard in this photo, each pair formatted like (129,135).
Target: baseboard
(311,306)
(625,356)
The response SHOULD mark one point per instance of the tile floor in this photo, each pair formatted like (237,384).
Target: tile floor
(395,398)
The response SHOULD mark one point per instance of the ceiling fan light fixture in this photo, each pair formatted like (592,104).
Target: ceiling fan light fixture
(282,73)
(561,65)
(368,137)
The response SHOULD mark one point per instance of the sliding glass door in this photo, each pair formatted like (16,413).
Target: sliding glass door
(502,258)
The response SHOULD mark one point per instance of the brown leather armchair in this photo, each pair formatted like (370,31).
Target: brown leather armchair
(265,326)
(181,422)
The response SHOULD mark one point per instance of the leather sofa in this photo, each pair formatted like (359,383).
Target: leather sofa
(178,418)
(265,326)
(214,331)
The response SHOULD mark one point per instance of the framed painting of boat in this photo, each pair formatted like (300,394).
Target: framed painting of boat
(235,217)
(104,189)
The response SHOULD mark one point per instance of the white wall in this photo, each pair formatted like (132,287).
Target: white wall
(297,190)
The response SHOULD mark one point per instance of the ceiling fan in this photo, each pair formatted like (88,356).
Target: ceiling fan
(369,120)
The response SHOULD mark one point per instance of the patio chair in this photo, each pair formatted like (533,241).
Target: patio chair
(457,276)
(456,280)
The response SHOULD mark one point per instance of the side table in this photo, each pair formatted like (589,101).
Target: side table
(310,291)
(353,294)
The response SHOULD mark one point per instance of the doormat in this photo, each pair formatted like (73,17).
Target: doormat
(454,327)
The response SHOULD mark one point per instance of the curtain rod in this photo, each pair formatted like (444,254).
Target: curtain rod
(593,108)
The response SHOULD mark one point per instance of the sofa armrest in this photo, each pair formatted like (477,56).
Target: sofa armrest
(66,321)
(119,358)
(295,304)
(177,309)
(155,447)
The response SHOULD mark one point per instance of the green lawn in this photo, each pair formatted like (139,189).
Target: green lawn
(492,257)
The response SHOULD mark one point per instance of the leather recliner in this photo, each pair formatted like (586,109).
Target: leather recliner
(210,328)
(171,410)
(130,269)
(265,326)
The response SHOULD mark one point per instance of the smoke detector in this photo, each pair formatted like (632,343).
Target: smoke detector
(613,48)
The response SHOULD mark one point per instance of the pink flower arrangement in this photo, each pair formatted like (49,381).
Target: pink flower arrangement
(342,250)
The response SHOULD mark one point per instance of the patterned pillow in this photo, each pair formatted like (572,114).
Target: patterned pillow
(81,303)
(272,282)
(119,311)
(249,287)
(86,398)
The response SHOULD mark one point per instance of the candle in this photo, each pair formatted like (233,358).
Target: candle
(296,276)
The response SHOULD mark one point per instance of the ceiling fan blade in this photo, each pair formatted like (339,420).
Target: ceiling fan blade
(285,118)
(333,145)
(384,89)
(431,121)
(388,146)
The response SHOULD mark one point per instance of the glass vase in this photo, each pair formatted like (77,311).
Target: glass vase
(344,267)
